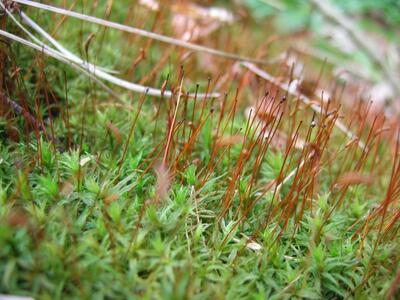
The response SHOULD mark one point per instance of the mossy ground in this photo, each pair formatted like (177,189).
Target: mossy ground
(82,222)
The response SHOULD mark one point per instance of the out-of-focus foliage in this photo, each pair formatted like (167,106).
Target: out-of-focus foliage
(292,15)
(361,36)
(386,11)
(295,15)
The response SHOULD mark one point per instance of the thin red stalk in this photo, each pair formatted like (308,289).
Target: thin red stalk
(141,101)
(67,118)
(171,130)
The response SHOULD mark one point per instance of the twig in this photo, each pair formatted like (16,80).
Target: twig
(91,68)
(56,44)
(92,71)
(58,56)
(141,32)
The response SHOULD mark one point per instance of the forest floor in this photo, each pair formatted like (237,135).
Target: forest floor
(265,176)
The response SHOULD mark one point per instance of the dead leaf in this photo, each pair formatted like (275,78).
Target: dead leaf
(150,4)
(191,22)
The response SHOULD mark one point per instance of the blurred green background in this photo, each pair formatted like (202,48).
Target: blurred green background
(358,36)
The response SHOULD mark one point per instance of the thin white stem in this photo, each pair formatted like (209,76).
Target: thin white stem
(56,44)
(94,71)
(141,32)
(58,56)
